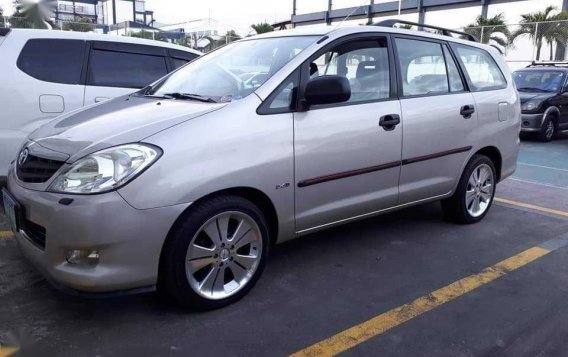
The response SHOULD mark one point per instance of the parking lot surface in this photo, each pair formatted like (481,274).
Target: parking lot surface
(403,284)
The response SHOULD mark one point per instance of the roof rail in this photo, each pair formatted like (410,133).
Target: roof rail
(4,31)
(445,31)
(548,63)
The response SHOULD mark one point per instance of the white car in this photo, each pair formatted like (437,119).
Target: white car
(47,73)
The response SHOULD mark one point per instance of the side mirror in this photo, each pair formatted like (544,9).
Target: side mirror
(327,90)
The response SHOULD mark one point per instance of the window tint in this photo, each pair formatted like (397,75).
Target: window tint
(127,70)
(179,62)
(59,61)
(481,68)
(364,63)
(422,66)
(456,84)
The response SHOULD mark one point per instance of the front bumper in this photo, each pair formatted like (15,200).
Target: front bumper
(531,122)
(128,240)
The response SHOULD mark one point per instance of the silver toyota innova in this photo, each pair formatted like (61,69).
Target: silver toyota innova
(187,184)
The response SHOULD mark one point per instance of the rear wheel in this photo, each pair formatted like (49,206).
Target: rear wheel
(474,194)
(216,254)
(547,131)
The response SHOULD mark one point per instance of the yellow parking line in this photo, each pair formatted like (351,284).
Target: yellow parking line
(8,351)
(6,234)
(533,207)
(377,325)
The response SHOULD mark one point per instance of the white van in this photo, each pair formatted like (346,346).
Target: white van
(47,73)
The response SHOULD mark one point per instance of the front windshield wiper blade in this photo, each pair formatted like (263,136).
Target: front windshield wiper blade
(190,96)
(532,89)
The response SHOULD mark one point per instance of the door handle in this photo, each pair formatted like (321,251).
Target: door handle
(467,110)
(101,99)
(389,121)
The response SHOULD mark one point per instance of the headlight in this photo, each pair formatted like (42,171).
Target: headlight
(531,105)
(105,170)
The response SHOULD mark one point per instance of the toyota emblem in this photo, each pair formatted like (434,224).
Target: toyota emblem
(23,156)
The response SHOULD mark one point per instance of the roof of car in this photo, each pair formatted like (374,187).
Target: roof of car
(543,68)
(340,30)
(72,35)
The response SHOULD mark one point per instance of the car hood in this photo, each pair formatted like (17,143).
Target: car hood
(119,121)
(526,96)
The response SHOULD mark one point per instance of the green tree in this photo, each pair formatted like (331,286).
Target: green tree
(80,25)
(528,27)
(2,22)
(231,36)
(556,33)
(149,35)
(262,27)
(492,31)
(36,15)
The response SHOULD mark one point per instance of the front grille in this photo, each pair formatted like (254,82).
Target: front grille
(37,170)
(35,233)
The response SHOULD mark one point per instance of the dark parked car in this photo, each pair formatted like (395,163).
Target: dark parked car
(544,98)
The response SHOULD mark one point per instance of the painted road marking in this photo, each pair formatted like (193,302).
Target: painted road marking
(533,207)
(6,234)
(541,166)
(358,334)
(537,183)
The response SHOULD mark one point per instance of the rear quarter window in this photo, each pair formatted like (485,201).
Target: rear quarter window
(481,68)
(53,60)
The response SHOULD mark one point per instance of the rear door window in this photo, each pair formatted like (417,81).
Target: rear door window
(53,60)
(124,70)
(423,67)
(482,70)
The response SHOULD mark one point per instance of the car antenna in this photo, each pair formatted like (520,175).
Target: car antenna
(348,16)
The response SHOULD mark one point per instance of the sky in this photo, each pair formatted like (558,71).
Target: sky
(239,15)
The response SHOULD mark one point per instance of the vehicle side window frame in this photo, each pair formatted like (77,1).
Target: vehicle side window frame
(432,40)
(305,66)
(471,86)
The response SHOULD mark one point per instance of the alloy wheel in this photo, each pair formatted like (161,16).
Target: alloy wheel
(223,255)
(479,191)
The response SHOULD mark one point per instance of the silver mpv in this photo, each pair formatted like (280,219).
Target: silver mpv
(187,184)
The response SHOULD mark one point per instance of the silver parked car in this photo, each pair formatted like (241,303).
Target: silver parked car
(187,184)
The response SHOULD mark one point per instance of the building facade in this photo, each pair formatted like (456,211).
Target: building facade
(104,12)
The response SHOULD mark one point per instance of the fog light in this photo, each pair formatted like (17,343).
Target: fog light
(82,257)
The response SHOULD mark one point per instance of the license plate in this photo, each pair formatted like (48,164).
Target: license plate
(10,209)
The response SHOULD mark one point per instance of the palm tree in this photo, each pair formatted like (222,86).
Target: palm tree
(556,32)
(492,31)
(528,27)
(262,27)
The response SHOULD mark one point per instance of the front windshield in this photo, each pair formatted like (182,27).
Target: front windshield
(232,72)
(541,81)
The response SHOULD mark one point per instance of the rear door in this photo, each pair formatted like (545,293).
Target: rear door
(116,69)
(439,118)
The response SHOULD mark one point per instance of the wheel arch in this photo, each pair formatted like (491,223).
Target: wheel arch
(494,155)
(552,112)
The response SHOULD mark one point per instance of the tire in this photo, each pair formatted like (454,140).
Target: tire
(221,269)
(547,131)
(459,208)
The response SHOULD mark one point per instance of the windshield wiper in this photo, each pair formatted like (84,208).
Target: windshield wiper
(190,96)
(532,89)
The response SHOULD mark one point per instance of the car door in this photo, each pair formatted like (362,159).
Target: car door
(347,164)
(116,69)
(440,118)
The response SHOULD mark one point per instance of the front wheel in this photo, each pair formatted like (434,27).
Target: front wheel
(475,192)
(547,131)
(215,254)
